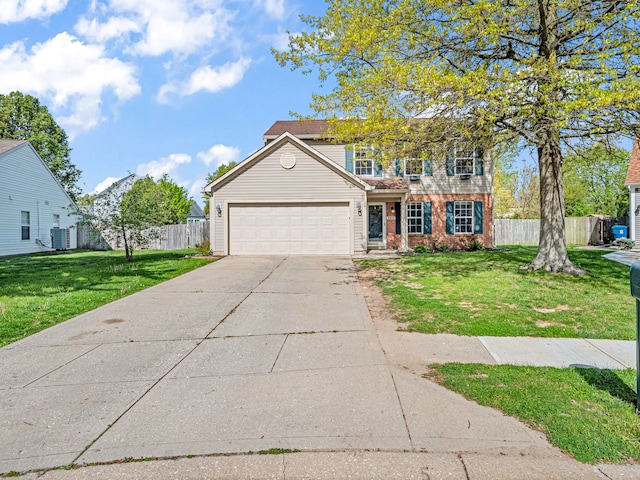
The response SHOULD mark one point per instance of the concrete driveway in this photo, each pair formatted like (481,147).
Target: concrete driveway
(246,354)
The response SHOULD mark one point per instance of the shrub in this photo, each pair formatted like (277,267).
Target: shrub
(624,243)
(204,248)
(420,249)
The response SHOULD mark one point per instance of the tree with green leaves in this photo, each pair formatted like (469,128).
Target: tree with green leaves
(177,202)
(545,74)
(595,181)
(133,216)
(222,169)
(22,117)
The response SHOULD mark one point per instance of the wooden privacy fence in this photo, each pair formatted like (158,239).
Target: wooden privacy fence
(171,237)
(591,230)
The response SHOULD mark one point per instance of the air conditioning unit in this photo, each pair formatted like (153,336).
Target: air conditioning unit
(465,176)
(414,178)
(60,238)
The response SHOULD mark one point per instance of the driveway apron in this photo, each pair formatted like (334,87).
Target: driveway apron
(245,354)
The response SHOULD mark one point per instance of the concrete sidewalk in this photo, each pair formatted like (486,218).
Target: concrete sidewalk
(255,354)
(414,351)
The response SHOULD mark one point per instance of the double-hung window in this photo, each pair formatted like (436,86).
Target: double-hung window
(463,217)
(363,160)
(414,217)
(413,166)
(464,158)
(25,225)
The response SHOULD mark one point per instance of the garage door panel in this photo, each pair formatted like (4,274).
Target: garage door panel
(300,229)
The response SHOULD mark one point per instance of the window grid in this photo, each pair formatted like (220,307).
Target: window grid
(25,225)
(363,161)
(413,166)
(464,161)
(463,216)
(414,217)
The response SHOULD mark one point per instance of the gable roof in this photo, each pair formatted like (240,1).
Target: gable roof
(308,129)
(633,172)
(196,211)
(9,145)
(264,151)
(6,145)
(114,185)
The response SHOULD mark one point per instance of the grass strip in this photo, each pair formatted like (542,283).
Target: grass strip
(588,413)
(38,291)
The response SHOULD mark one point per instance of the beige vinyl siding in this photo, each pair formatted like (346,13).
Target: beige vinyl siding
(332,151)
(442,184)
(27,185)
(266,181)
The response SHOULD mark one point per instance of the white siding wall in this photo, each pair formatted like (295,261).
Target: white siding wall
(27,185)
(268,182)
(635,218)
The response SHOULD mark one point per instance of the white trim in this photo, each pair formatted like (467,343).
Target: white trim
(421,217)
(632,212)
(472,216)
(264,151)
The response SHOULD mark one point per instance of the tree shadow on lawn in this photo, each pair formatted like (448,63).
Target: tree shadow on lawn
(608,381)
(36,274)
(609,274)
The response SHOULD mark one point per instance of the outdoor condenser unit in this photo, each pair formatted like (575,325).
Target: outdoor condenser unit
(59,238)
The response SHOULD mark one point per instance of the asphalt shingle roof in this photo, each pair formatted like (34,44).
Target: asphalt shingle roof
(633,172)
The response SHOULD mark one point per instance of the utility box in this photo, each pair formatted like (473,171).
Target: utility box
(59,238)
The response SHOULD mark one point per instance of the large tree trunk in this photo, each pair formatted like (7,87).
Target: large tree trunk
(552,249)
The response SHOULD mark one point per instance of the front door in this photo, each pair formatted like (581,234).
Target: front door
(377,232)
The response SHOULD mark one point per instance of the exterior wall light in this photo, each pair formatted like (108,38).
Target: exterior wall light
(219,210)
(359,207)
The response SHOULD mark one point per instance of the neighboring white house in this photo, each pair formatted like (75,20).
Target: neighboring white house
(196,214)
(633,183)
(32,203)
(109,199)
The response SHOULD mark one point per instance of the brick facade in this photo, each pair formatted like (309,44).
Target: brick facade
(439,234)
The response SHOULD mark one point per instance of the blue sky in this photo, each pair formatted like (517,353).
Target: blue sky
(156,86)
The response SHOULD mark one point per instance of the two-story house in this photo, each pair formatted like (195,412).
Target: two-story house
(304,194)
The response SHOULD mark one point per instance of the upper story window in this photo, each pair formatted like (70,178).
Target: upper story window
(56,220)
(363,163)
(464,161)
(413,166)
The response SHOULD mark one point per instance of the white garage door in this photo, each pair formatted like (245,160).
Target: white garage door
(291,229)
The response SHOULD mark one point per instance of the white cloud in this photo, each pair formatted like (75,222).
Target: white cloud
(18,10)
(219,154)
(168,165)
(273,8)
(69,74)
(167,26)
(115,27)
(106,183)
(196,189)
(206,79)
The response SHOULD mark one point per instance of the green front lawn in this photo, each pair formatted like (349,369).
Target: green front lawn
(486,293)
(588,413)
(38,291)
